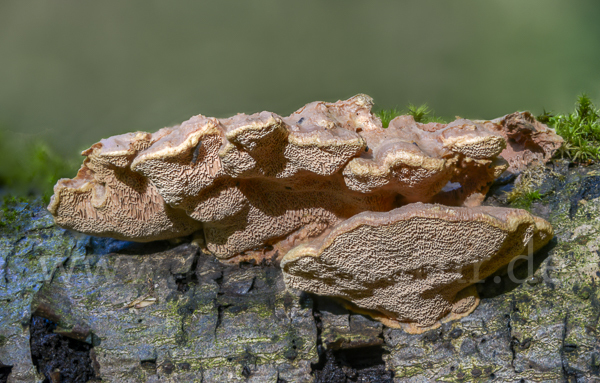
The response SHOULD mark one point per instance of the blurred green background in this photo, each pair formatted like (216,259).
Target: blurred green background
(73,72)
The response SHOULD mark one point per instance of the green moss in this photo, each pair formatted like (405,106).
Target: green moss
(525,200)
(3,340)
(580,130)
(11,216)
(409,371)
(422,113)
(524,192)
(387,115)
(8,213)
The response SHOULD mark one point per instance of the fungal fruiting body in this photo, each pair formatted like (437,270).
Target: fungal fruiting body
(251,181)
(261,185)
(409,265)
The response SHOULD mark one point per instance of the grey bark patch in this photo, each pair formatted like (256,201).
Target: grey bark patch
(590,189)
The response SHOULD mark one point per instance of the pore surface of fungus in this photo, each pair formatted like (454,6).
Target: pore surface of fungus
(407,267)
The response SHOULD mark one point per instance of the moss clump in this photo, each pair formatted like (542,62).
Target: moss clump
(525,200)
(422,113)
(387,115)
(10,208)
(580,130)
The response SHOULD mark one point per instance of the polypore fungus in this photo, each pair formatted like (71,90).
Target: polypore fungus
(265,180)
(528,140)
(407,267)
(327,182)
(108,198)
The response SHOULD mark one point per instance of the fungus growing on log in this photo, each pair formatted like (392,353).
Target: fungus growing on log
(527,139)
(108,198)
(265,180)
(257,186)
(407,267)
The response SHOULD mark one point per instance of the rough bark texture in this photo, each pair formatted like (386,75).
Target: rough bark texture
(163,312)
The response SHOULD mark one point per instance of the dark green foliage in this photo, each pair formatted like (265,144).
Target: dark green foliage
(580,130)
(31,168)
(422,113)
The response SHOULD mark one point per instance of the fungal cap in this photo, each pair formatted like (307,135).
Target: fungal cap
(410,264)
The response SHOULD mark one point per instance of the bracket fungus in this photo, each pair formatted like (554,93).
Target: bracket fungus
(407,267)
(259,186)
(527,139)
